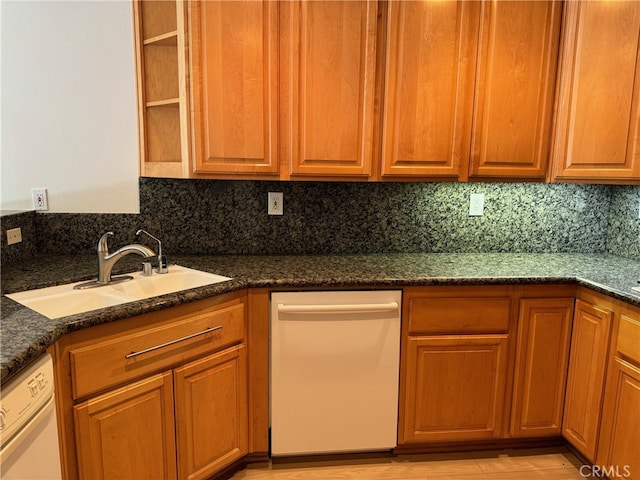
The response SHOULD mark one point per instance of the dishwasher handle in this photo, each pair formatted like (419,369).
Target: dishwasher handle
(340,308)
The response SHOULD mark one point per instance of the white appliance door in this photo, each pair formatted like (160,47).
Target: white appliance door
(33,453)
(334,371)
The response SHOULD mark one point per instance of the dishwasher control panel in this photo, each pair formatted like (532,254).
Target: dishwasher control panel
(24,396)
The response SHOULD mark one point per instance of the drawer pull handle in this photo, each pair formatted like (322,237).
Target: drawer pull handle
(156,347)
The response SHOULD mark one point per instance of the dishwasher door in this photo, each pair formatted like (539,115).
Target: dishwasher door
(334,371)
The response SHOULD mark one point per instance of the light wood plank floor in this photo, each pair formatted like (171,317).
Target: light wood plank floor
(549,463)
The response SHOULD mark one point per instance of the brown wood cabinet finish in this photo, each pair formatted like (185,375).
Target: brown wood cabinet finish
(585,381)
(234,78)
(132,418)
(597,133)
(327,80)
(430,63)
(620,430)
(161,66)
(211,413)
(455,387)
(544,332)
(453,375)
(514,90)
(129,432)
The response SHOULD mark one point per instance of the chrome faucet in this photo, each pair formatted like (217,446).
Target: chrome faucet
(162,260)
(106,262)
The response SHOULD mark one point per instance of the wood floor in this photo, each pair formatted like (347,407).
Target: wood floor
(550,463)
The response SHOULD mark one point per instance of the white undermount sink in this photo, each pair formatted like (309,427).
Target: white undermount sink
(64,300)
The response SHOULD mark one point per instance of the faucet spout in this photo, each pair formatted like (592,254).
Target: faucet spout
(106,260)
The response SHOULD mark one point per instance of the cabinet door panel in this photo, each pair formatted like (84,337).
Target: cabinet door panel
(327,73)
(514,88)
(622,420)
(211,413)
(431,56)
(234,85)
(587,363)
(541,366)
(454,388)
(128,433)
(598,124)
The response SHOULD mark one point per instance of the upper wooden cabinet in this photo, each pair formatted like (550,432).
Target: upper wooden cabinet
(234,79)
(515,85)
(160,36)
(598,121)
(327,79)
(469,88)
(430,63)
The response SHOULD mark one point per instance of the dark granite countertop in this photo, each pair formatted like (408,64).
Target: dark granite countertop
(25,334)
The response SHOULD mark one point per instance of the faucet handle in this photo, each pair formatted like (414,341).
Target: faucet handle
(163,266)
(103,247)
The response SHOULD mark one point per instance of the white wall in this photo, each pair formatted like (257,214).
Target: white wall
(68,105)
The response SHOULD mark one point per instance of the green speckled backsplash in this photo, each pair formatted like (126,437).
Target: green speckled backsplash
(229,217)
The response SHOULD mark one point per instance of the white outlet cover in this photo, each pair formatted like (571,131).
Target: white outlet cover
(476,205)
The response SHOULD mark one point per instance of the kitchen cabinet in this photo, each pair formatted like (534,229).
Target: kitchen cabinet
(454,363)
(597,133)
(234,84)
(164,393)
(294,90)
(587,367)
(431,50)
(620,430)
(469,80)
(327,86)
(163,124)
(129,432)
(514,89)
(544,332)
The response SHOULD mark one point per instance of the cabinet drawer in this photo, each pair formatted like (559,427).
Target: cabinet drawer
(629,338)
(132,355)
(459,314)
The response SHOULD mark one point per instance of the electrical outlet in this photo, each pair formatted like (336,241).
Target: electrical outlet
(275,206)
(14,235)
(476,205)
(39,196)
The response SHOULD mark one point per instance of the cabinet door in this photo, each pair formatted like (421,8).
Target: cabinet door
(541,366)
(622,420)
(234,68)
(585,383)
(431,53)
(211,413)
(515,84)
(128,433)
(598,121)
(619,440)
(454,388)
(327,80)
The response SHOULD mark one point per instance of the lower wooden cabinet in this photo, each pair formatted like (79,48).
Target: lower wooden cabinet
(619,441)
(586,376)
(172,401)
(455,387)
(484,363)
(129,432)
(453,383)
(544,332)
(211,413)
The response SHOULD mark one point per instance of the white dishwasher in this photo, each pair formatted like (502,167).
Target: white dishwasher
(28,427)
(334,364)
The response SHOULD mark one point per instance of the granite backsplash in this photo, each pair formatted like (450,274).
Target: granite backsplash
(230,217)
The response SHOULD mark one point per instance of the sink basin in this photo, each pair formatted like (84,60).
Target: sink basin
(63,300)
